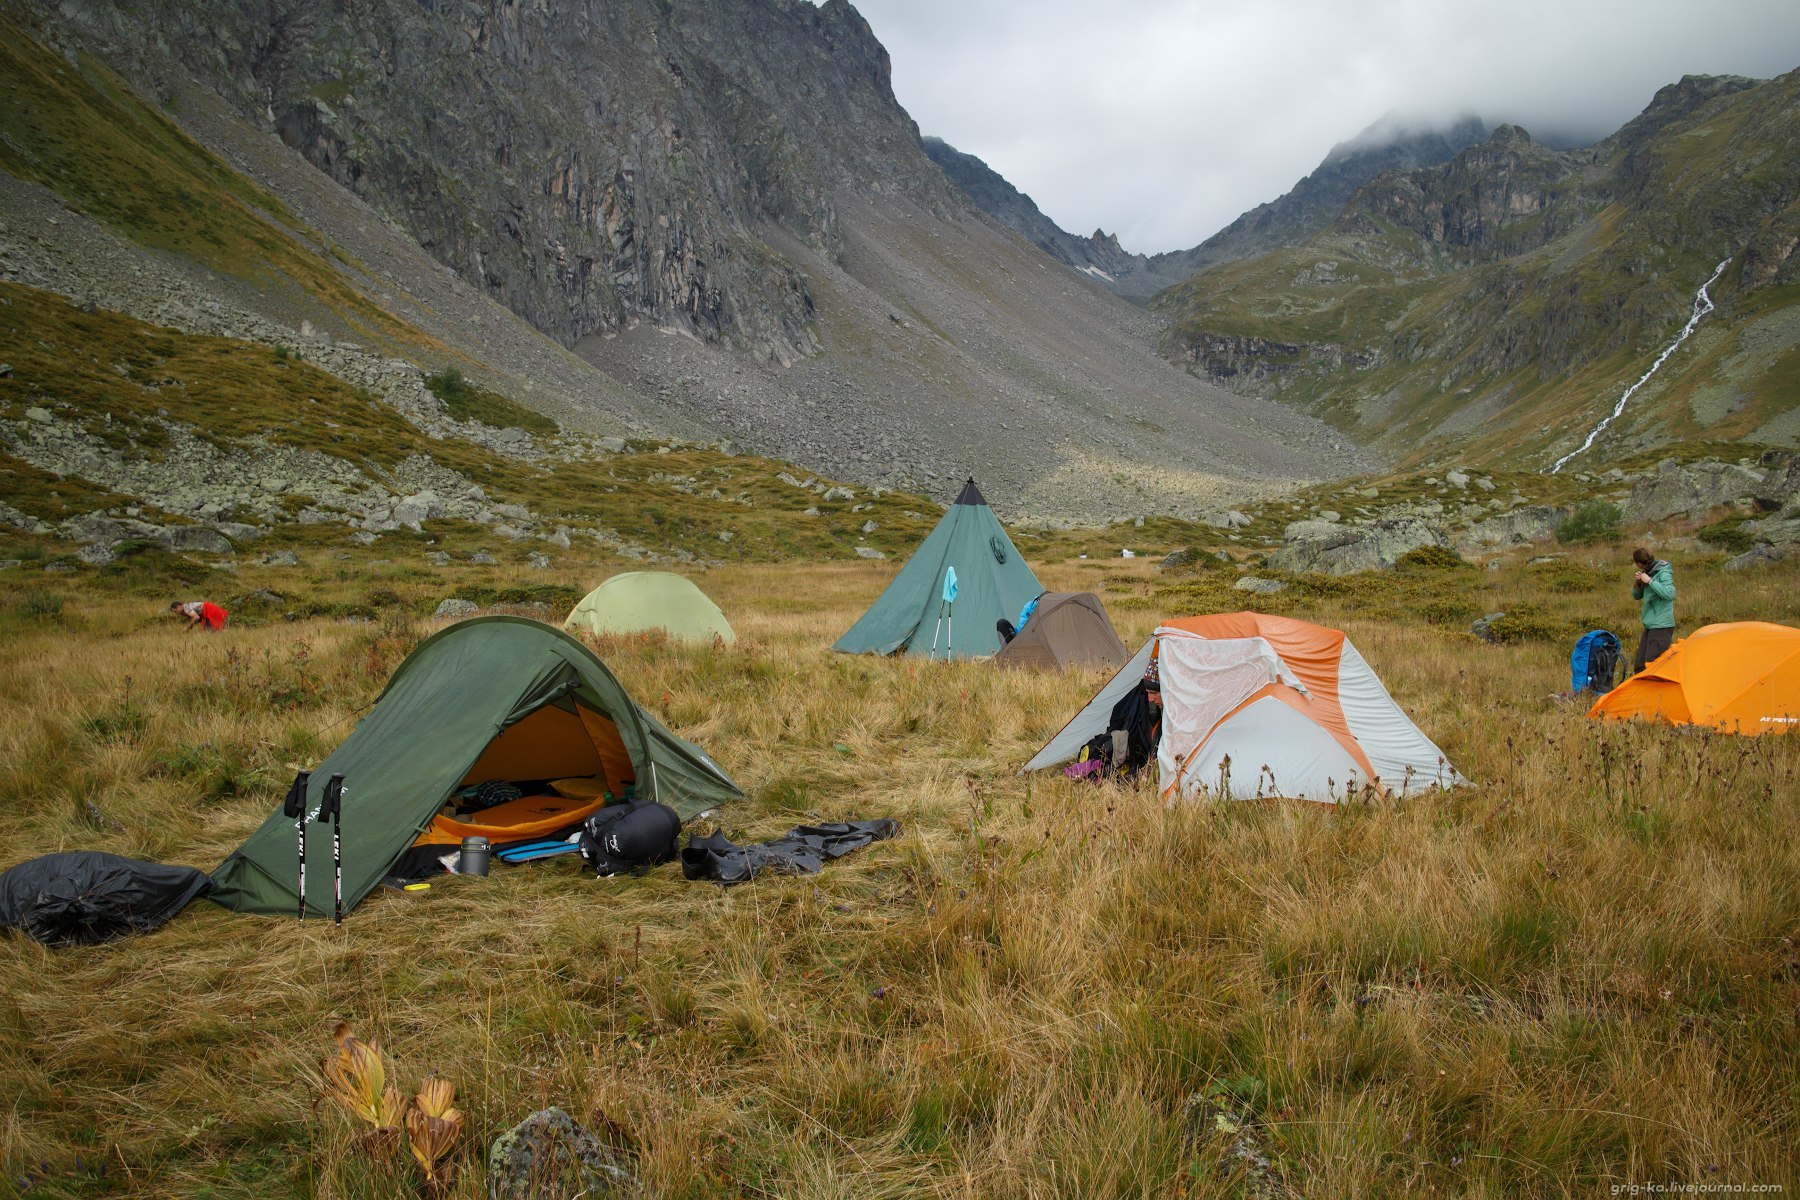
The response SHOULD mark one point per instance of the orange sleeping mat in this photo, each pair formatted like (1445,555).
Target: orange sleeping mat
(518,820)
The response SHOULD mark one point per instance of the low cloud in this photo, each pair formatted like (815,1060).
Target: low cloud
(1161,120)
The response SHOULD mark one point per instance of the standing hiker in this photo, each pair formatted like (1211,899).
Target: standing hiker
(1653,586)
(200,612)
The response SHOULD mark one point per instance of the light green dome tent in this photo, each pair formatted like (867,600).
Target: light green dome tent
(494,697)
(637,601)
(992,581)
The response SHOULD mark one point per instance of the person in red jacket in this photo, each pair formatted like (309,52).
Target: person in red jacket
(200,613)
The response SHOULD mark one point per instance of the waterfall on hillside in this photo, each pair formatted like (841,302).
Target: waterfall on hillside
(1702,305)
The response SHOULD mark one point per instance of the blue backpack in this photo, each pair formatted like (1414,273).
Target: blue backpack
(1594,663)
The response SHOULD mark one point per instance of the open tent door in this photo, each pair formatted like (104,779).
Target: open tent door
(494,692)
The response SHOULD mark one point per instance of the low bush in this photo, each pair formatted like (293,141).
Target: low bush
(1595,519)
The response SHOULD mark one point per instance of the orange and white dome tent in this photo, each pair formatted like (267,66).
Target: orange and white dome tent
(1257,705)
(1739,677)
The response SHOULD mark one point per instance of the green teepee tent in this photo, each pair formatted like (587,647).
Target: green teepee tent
(992,582)
(494,697)
(636,601)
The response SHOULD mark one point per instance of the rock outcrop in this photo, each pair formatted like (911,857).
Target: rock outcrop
(1334,549)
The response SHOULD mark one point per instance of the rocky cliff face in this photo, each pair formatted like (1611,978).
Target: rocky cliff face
(716,205)
(591,164)
(1507,297)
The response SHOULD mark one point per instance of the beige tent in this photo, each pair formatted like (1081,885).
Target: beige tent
(640,601)
(1066,629)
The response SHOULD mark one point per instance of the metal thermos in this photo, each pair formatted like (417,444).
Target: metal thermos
(473,860)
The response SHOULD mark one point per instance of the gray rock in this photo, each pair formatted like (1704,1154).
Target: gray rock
(512,512)
(1262,587)
(539,562)
(7,564)
(315,516)
(483,558)
(364,538)
(559,539)
(811,512)
(869,552)
(1370,493)
(1780,488)
(837,493)
(1486,484)
(612,445)
(1672,489)
(1345,549)
(437,558)
(416,509)
(96,555)
(237,531)
(1782,529)
(1226,520)
(41,416)
(788,479)
(725,535)
(1176,558)
(1456,479)
(455,610)
(59,567)
(548,1156)
(1757,556)
(197,539)
(870,527)
(281,558)
(1484,628)
(1331,516)
(1517,527)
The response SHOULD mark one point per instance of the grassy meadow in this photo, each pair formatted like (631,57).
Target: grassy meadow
(1580,973)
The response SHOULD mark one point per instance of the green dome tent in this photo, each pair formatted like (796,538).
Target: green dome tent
(642,600)
(992,582)
(494,697)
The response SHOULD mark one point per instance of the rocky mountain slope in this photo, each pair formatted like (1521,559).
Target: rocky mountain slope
(1497,305)
(1388,145)
(697,220)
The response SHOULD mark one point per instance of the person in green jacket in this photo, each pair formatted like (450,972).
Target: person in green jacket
(1654,588)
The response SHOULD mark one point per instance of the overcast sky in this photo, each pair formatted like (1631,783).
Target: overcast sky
(1162,120)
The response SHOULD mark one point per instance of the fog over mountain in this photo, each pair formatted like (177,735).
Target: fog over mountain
(1164,121)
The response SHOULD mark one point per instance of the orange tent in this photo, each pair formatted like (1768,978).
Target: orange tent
(1741,677)
(1291,707)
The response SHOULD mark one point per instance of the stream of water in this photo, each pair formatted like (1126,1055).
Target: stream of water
(1702,305)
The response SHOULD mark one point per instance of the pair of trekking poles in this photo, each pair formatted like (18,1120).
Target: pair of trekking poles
(331,808)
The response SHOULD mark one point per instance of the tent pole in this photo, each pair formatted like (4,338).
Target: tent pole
(295,806)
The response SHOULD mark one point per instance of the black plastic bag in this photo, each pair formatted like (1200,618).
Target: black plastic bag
(85,896)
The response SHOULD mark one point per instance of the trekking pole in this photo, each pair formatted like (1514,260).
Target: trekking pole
(333,807)
(936,629)
(950,636)
(295,806)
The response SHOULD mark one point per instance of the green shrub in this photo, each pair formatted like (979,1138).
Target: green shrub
(41,605)
(466,402)
(1595,519)
(1430,558)
(1728,535)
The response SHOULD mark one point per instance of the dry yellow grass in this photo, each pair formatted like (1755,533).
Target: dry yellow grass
(1580,973)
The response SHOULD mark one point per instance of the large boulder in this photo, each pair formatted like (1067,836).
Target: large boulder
(1673,490)
(548,1156)
(1262,587)
(1519,527)
(1334,549)
(197,538)
(1780,486)
(416,509)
